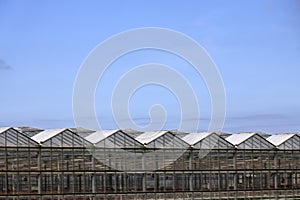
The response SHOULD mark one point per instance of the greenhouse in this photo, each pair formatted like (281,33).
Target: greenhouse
(76,163)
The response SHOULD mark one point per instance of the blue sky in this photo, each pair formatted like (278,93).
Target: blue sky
(255,45)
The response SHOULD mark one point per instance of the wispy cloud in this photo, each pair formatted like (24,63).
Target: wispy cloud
(4,65)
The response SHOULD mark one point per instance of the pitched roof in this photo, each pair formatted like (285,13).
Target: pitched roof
(100,135)
(238,138)
(193,138)
(148,137)
(11,136)
(278,139)
(3,129)
(27,130)
(46,135)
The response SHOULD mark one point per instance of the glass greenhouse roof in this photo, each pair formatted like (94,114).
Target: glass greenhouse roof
(82,131)
(249,141)
(285,141)
(194,138)
(239,138)
(99,136)
(60,138)
(161,139)
(207,140)
(27,130)
(46,135)
(112,138)
(278,139)
(3,129)
(10,136)
(148,137)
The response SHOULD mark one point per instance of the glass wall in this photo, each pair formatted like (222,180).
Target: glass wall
(60,164)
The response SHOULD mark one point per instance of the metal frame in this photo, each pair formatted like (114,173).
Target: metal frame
(66,166)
